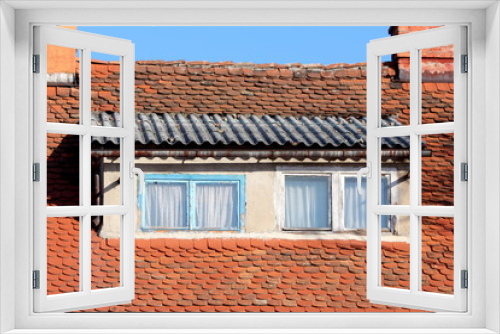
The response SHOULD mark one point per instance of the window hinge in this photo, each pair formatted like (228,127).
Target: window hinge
(36,279)
(464,172)
(465,279)
(465,64)
(36,172)
(36,63)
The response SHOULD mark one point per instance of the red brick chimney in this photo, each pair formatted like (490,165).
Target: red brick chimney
(61,64)
(437,63)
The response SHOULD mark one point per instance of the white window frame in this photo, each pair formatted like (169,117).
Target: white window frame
(85,296)
(281,206)
(376,292)
(336,176)
(484,102)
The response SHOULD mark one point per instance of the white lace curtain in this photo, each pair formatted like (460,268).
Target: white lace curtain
(216,206)
(355,204)
(306,202)
(166,205)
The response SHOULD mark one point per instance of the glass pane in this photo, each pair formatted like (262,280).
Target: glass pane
(165,205)
(106,246)
(438,169)
(395,94)
(106,171)
(105,78)
(437,84)
(355,203)
(63,92)
(307,202)
(437,254)
(395,152)
(395,270)
(63,170)
(216,206)
(63,255)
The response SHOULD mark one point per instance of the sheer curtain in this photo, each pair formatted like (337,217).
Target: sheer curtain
(306,202)
(166,205)
(216,206)
(355,204)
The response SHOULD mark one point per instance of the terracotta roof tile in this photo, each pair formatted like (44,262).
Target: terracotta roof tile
(312,280)
(252,275)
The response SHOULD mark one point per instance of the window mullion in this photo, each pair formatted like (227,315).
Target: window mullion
(335,217)
(85,140)
(192,204)
(415,249)
(330,206)
(239,207)
(85,254)
(85,173)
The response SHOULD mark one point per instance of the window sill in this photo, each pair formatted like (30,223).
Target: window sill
(250,331)
(292,235)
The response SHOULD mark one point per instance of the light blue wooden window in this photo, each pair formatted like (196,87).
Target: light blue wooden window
(355,203)
(216,205)
(307,202)
(193,202)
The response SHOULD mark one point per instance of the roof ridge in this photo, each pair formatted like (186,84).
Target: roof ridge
(311,116)
(251,65)
(236,115)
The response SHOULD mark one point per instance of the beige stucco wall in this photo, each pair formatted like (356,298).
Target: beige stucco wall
(262,209)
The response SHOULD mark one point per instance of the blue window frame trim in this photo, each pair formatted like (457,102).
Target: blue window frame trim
(192,180)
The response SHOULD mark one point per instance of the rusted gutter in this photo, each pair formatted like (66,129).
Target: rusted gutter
(260,154)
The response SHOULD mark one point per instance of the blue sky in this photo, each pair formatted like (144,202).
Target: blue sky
(282,45)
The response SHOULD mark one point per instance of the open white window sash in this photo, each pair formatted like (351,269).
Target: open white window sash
(86,297)
(414,43)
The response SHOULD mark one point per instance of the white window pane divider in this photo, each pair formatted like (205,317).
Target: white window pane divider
(415,297)
(415,172)
(392,131)
(422,211)
(77,129)
(93,210)
(422,129)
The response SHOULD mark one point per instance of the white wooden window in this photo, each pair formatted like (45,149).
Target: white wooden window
(416,296)
(328,201)
(84,295)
